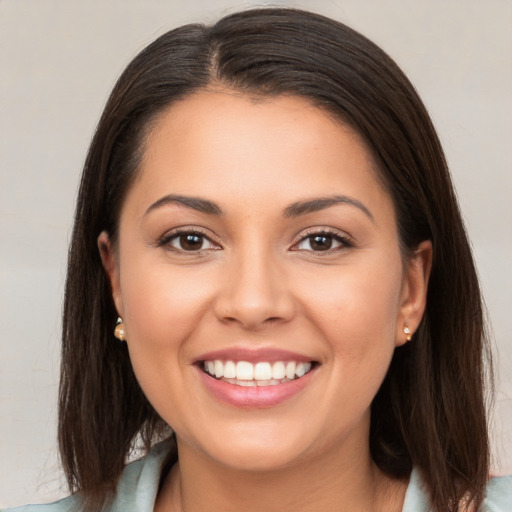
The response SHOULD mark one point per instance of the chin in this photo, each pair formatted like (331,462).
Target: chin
(255,458)
(264,446)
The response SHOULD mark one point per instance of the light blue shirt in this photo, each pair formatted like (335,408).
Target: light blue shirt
(138,487)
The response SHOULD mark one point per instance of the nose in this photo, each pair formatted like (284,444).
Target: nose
(254,292)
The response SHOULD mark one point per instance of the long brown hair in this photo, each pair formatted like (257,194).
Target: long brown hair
(430,411)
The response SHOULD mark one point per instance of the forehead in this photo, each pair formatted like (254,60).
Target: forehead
(226,144)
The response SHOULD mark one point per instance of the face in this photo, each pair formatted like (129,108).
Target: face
(260,280)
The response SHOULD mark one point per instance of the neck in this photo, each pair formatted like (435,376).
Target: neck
(199,484)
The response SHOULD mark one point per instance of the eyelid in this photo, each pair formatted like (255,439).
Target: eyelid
(341,237)
(168,236)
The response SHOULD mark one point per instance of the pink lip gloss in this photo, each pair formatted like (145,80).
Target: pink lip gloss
(254,396)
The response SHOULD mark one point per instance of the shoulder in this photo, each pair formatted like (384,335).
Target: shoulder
(138,486)
(136,490)
(498,495)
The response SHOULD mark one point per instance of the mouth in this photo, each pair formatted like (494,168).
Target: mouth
(258,378)
(256,374)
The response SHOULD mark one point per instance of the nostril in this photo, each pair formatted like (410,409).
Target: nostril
(273,319)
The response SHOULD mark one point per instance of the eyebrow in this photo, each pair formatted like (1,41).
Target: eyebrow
(294,210)
(195,203)
(321,203)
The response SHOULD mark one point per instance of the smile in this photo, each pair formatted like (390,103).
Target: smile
(258,377)
(263,373)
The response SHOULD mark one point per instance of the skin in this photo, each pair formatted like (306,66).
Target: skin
(257,282)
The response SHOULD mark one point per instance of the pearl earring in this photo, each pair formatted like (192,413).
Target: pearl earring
(119,331)
(407,332)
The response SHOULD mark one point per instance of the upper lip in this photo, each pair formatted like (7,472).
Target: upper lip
(253,355)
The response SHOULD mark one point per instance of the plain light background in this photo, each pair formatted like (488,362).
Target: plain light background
(58,62)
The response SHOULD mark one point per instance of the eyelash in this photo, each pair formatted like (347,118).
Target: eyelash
(343,241)
(168,238)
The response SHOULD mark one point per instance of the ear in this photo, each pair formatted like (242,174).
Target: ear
(414,291)
(111,266)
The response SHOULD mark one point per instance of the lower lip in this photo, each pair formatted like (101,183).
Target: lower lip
(254,396)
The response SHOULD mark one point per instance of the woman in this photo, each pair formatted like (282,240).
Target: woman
(267,225)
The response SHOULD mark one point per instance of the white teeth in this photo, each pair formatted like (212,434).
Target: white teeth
(229,370)
(290,370)
(244,370)
(302,369)
(246,383)
(219,369)
(278,370)
(263,373)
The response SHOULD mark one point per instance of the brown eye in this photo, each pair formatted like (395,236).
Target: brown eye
(189,241)
(322,242)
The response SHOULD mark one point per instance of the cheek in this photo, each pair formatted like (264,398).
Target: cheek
(357,309)
(161,304)
(161,308)
(360,327)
